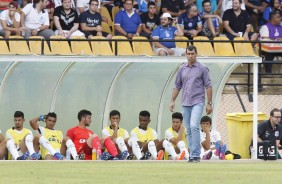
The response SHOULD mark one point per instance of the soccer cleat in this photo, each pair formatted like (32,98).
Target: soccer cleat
(160,155)
(122,155)
(107,156)
(58,156)
(191,160)
(196,159)
(181,156)
(217,148)
(35,156)
(146,156)
(207,156)
(25,156)
(222,152)
(130,156)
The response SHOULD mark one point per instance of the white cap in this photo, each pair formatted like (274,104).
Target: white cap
(166,15)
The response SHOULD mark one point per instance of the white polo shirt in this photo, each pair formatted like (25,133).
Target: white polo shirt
(33,19)
(5,16)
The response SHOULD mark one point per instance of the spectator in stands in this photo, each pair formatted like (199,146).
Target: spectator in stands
(10,21)
(66,20)
(50,9)
(60,3)
(150,20)
(255,9)
(4,4)
(213,6)
(91,20)
(35,20)
(211,22)
(274,5)
(191,22)
(83,5)
(127,21)
(167,32)
(271,31)
(173,7)
(227,4)
(237,22)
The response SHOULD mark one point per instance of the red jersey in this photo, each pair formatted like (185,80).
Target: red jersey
(79,136)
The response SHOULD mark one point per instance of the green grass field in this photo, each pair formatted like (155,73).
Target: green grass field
(135,172)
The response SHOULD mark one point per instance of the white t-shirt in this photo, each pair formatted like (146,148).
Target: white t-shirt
(105,132)
(169,135)
(214,137)
(264,32)
(133,134)
(33,19)
(82,4)
(5,16)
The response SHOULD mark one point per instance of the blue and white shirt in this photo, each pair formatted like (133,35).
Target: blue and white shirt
(165,33)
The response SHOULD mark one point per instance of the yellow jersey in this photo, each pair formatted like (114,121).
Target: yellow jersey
(148,135)
(17,136)
(120,133)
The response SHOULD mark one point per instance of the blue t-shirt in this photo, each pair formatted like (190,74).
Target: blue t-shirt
(165,33)
(128,24)
(91,20)
(187,23)
(213,5)
(142,6)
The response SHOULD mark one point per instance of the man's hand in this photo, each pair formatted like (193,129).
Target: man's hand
(208,108)
(129,35)
(171,107)
(170,51)
(99,34)
(34,32)
(99,28)
(206,129)
(61,33)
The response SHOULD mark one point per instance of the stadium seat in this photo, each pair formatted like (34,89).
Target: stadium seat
(123,47)
(4,47)
(181,44)
(80,47)
(203,48)
(104,12)
(106,28)
(60,47)
(102,48)
(243,49)
(223,48)
(18,47)
(115,10)
(35,46)
(142,48)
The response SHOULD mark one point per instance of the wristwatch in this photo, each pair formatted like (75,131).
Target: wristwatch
(210,103)
(38,29)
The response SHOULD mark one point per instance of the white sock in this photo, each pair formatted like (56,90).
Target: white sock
(71,147)
(152,149)
(181,146)
(121,145)
(135,148)
(169,149)
(12,149)
(29,143)
(45,144)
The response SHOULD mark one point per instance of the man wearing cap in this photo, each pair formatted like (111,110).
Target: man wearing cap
(35,20)
(167,32)
(10,21)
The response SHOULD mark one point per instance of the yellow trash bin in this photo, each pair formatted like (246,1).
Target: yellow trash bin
(240,131)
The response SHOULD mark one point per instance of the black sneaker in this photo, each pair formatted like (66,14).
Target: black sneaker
(146,156)
(130,156)
(191,160)
(196,159)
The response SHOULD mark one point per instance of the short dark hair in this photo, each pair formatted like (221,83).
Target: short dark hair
(188,8)
(144,114)
(83,113)
(177,115)
(273,13)
(51,114)
(274,110)
(92,0)
(151,4)
(240,1)
(206,119)
(114,113)
(19,114)
(191,48)
(128,0)
(205,1)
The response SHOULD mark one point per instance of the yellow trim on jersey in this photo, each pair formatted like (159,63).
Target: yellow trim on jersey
(149,136)
(166,155)
(54,137)
(120,133)
(17,137)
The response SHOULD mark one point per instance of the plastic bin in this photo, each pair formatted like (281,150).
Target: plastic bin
(240,131)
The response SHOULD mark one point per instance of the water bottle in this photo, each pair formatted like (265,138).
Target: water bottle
(98,153)
(94,154)
(253,153)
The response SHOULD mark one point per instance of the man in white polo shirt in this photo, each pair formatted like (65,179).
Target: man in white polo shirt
(36,20)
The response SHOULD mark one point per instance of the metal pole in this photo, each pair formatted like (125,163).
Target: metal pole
(255,108)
